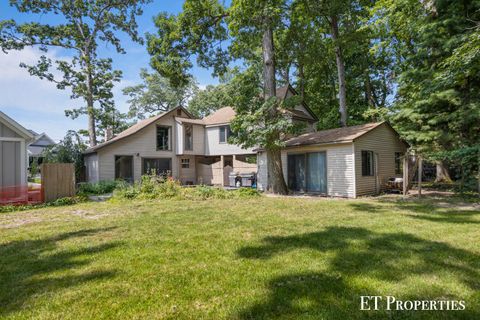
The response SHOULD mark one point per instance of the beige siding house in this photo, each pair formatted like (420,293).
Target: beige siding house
(194,151)
(344,162)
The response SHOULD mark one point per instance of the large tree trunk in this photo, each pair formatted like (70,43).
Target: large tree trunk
(92,135)
(276,182)
(442,173)
(342,90)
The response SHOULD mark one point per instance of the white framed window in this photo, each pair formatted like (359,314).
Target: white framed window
(185,163)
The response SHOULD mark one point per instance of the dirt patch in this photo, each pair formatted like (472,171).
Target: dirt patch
(86,214)
(18,222)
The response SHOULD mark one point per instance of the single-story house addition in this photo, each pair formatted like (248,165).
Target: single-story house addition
(344,162)
(14,140)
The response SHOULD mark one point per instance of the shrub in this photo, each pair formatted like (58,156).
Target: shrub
(57,203)
(154,187)
(101,187)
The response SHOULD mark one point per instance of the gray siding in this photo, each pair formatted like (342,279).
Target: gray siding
(10,164)
(384,142)
(7,132)
(215,148)
(91,164)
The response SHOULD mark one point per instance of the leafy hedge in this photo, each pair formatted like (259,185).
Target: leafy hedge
(153,187)
(98,188)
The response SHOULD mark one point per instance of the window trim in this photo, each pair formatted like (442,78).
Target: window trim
(371,171)
(185,137)
(398,157)
(169,142)
(185,163)
(227,133)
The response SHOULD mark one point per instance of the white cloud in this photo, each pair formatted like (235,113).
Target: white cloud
(37,104)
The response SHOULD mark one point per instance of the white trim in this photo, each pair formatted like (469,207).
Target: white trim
(15,126)
(12,139)
(354,172)
(23,170)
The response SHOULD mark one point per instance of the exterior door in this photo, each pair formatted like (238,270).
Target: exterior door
(317,172)
(307,172)
(296,172)
(124,168)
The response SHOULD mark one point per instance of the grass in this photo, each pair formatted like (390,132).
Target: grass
(261,258)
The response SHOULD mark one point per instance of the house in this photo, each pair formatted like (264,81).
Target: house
(13,152)
(37,146)
(194,151)
(343,162)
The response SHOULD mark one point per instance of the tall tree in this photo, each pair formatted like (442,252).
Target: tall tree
(85,24)
(438,101)
(198,31)
(156,94)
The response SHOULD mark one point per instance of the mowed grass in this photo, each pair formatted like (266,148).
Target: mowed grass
(262,258)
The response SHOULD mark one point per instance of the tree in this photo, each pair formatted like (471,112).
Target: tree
(156,94)
(438,102)
(212,98)
(85,25)
(69,150)
(199,31)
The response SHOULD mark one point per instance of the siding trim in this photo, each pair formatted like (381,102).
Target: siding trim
(354,172)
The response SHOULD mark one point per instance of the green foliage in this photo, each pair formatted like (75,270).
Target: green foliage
(153,187)
(98,188)
(85,25)
(212,98)
(66,201)
(68,150)
(155,94)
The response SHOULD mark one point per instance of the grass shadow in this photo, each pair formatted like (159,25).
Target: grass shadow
(30,267)
(356,254)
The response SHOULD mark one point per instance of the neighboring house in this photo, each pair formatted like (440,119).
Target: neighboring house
(194,151)
(343,162)
(13,152)
(38,145)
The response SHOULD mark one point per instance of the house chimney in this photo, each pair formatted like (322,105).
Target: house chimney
(108,133)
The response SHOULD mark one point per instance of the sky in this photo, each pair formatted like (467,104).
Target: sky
(38,105)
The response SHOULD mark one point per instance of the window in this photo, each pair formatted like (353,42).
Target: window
(188,136)
(158,166)
(185,163)
(367,163)
(124,168)
(163,138)
(398,163)
(224,134)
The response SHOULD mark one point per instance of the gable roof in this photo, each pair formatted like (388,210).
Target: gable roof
(282,92)
(134,129)
(338,135)
(221,116)
(15,126)
(41,136)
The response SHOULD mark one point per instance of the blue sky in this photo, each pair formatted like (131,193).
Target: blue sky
(38,105)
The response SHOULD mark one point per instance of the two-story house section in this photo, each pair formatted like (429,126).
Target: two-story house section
(194,151)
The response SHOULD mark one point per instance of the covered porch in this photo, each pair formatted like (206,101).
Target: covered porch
(218,170)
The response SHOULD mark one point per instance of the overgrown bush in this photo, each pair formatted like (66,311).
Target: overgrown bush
(101,187)
(154,187)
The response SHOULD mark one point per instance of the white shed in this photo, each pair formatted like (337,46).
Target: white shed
(14,140)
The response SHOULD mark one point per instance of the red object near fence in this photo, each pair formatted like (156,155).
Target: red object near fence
(19,195)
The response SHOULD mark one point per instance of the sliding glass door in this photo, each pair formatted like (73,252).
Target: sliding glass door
(307,172)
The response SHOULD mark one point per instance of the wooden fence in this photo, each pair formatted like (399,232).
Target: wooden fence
(58,180)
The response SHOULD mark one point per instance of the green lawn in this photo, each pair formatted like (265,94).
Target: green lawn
(264,258)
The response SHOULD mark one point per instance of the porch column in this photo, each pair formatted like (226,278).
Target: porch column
(222,172)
